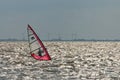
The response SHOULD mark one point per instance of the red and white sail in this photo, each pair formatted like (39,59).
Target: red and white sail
(36,45)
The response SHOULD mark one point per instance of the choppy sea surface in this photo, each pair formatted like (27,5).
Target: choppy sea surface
(70,61)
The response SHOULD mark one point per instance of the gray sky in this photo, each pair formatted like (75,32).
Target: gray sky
(88,19)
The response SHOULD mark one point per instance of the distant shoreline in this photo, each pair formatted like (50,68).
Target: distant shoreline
(81,40)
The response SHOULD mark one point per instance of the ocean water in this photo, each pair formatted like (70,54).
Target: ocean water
(70,61)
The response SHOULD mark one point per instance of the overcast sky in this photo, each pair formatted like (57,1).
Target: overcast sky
(88,19)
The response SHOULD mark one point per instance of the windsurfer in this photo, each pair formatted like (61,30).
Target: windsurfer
(40,52)
(37,49)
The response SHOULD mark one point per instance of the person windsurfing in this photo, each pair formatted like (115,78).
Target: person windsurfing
(40,52)
(37,48)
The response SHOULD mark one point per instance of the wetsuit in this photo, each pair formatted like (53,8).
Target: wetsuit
(40,52)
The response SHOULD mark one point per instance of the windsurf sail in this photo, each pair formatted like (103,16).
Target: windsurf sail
(37,49)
